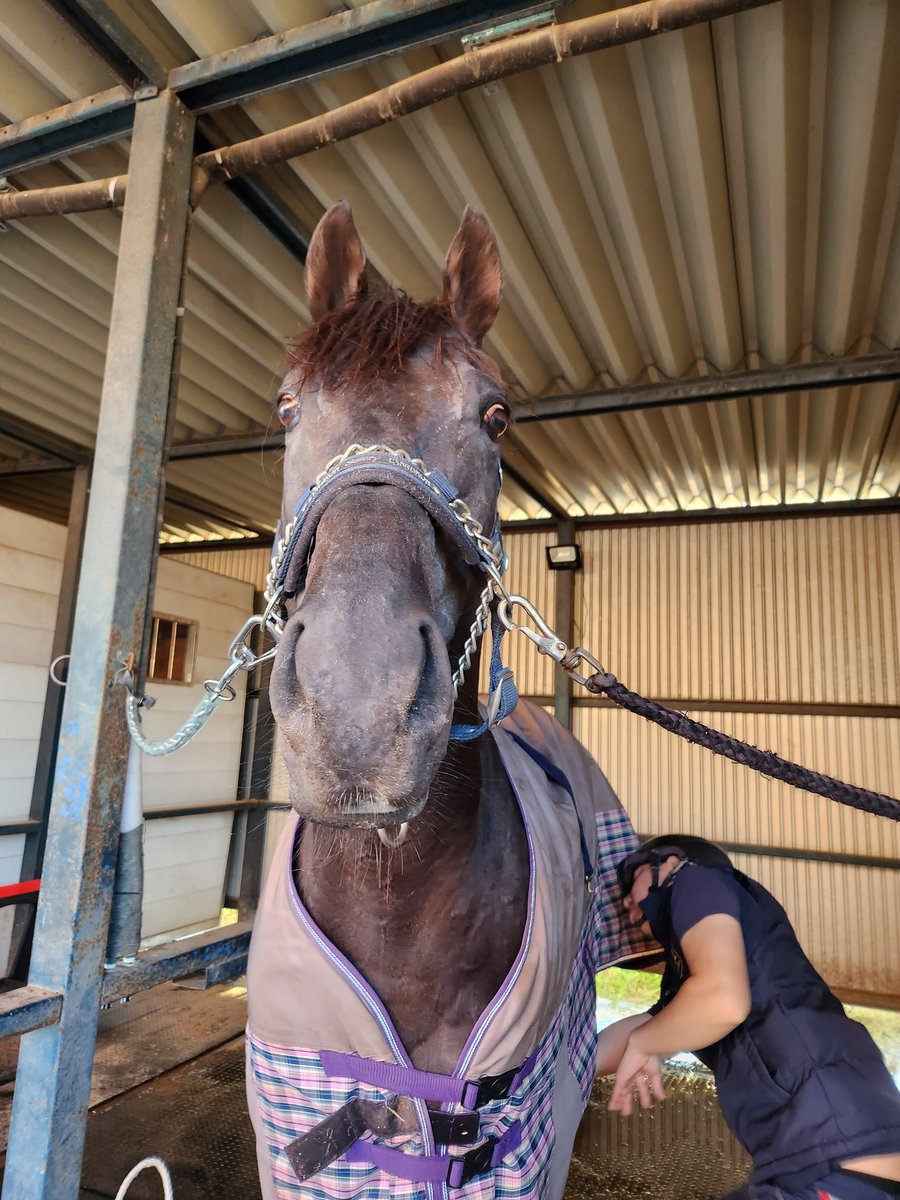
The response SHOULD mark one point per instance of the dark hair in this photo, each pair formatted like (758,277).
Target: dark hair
(658,849)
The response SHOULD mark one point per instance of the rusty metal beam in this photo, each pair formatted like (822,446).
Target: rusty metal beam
(470,70)
(343,41)
(353,38)
(473,69)
(28,1008)
(175,960)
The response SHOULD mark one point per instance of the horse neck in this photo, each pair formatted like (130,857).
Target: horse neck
(435,924)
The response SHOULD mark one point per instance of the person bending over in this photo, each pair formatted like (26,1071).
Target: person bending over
(802,1086)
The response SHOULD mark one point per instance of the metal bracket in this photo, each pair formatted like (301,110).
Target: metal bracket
(538,18)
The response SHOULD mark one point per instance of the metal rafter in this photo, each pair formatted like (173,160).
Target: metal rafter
(770,381)
(341,42)
(104,32)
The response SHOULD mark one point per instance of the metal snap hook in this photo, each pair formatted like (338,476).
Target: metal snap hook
(59,659)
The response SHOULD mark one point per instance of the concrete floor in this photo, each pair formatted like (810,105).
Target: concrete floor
(169,1081)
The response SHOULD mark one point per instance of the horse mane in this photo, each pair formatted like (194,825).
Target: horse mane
(370,340)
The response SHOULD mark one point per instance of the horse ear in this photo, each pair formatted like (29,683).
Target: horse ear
(335,262)
(472,275)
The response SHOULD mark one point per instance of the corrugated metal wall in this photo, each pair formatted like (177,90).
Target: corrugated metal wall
(250,566)
(786,634)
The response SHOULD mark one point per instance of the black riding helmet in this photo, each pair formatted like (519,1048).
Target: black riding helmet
(656,850)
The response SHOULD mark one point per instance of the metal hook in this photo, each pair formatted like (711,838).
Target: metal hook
(60,658)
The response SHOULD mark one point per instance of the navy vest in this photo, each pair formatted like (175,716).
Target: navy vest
(800,1084)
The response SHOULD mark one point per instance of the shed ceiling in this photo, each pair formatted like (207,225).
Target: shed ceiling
(721,198)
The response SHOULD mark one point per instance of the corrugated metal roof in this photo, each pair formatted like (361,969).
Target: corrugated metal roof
(719,198)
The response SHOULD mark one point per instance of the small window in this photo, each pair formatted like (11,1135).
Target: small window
(172,650)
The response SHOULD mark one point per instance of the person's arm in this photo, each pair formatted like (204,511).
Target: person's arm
(712,1001)
(613,1040)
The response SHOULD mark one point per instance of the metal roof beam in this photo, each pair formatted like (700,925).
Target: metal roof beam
(338,43)
(238,443)
(528,487)
(213,512)
(104,32)
(770,381)
(341,42)
(33,466)
(37,439)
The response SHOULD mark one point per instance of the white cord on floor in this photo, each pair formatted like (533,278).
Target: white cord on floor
(135,1171)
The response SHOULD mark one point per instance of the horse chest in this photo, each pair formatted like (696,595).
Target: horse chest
(435,948)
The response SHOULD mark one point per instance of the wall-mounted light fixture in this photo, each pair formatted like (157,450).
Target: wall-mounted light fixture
(564,558)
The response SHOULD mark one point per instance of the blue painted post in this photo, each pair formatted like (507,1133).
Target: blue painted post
(46,1140)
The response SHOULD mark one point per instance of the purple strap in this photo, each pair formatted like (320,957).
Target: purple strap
(437,1168)
(404,1081)
(407,1081)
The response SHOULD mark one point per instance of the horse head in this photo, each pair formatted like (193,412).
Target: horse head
(392,414)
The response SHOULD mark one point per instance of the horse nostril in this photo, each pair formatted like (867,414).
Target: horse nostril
(423,701)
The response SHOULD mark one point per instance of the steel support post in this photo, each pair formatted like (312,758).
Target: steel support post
(33,853)
(53,1084)
(564,625)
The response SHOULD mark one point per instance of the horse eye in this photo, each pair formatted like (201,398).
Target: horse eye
(496,418)
(287,408)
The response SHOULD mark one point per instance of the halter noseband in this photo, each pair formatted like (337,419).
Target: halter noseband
(431,489)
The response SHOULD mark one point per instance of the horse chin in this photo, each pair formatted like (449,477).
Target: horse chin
(352,809)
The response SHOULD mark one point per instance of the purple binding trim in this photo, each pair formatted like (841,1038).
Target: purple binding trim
(431,1168)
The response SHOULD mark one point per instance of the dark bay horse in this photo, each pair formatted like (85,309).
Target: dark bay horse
(426,928)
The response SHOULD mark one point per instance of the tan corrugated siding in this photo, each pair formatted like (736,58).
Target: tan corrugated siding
(250,566)
(847,918)
(668,784)
(793,611)
(778,612)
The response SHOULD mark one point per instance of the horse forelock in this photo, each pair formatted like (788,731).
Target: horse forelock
(371,340)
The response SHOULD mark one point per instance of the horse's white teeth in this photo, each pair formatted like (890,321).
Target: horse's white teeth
(392,839)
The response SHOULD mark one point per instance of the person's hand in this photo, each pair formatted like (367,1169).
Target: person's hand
(639,1071)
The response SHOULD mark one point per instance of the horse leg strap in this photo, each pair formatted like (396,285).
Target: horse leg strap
(334,1136)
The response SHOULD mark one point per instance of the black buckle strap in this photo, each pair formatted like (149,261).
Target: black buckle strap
(475,1162)
(334,1135)
(493,1087)
(454,1129)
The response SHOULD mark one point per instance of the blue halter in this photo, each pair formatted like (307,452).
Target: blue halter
(441,500)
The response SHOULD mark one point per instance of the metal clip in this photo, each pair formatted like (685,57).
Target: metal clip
(496,697)
(546,640)
(575,658)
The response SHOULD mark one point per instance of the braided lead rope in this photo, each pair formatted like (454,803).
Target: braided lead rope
(764,761)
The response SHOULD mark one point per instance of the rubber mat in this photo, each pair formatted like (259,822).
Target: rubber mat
(680,1149)
(196,1119)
